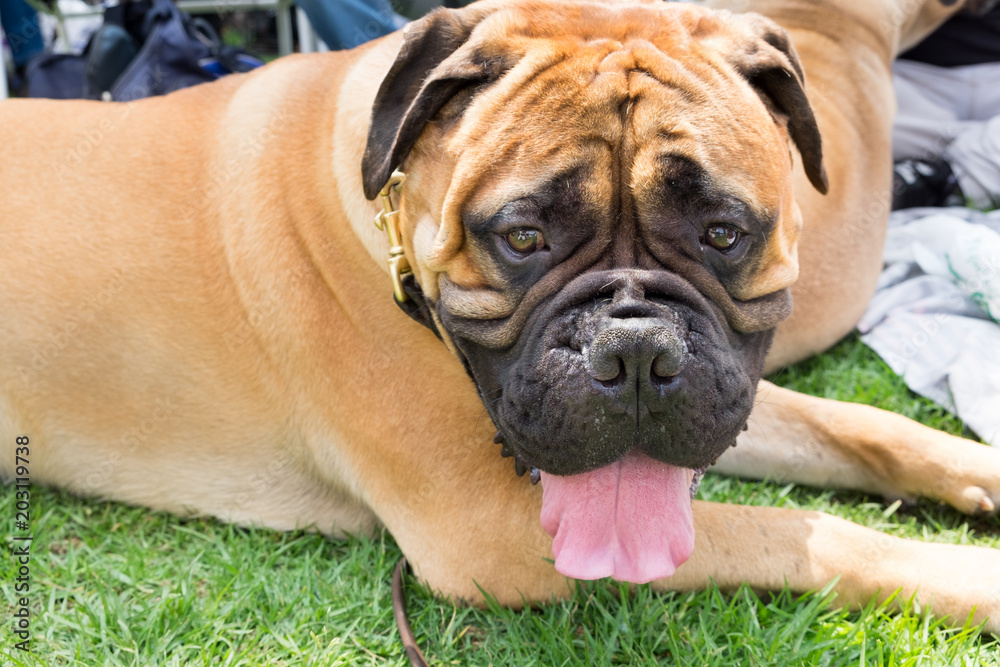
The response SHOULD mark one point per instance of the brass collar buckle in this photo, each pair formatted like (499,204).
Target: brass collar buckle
(388,221)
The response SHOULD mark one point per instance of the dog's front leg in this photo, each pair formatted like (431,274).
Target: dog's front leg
(808,440)
(769,547)
(505,553)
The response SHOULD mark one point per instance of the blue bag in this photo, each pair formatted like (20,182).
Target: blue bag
(143,49)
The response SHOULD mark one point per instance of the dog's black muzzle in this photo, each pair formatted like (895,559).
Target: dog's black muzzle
(616,360)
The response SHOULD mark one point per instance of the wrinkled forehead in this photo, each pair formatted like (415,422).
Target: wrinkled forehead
(628,93)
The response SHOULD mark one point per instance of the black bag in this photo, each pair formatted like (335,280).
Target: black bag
(144,48)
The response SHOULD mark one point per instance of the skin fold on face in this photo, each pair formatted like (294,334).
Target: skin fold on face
(606,231)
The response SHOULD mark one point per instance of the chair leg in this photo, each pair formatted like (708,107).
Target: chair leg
(4,93)
(284,17)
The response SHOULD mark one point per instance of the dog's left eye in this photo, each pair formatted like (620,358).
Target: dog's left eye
(722,237)
(525,241)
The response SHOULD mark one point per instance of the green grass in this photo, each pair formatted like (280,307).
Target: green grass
(117,585)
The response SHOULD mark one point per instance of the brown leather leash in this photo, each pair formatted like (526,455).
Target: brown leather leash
(399,611)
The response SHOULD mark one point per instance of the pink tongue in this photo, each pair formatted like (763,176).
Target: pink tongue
(630,520)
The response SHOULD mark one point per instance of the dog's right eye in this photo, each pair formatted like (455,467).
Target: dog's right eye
(722,237)
(525,241)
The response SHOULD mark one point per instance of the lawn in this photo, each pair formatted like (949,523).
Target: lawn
(117,585)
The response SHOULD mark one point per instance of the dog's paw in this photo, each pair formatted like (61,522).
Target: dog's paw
(962,473)
(950,580)
(977,500)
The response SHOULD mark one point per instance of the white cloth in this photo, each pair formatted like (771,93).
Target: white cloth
(930,318)
(954,113)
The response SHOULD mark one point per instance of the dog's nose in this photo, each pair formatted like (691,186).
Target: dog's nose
(636,348)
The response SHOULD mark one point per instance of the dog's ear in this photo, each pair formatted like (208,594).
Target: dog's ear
(419,83)
(771,66)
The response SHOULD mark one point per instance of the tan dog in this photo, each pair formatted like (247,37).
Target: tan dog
(604,221)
